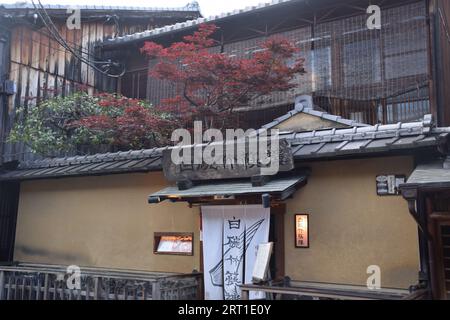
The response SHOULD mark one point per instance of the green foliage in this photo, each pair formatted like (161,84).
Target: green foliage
(65,124)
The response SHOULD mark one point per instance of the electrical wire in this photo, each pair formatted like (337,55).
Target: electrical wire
(44,16)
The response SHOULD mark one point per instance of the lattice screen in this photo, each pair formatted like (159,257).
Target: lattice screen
(368,75)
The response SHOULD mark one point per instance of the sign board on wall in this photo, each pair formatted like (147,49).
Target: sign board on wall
(302,231)
(387,185)
(234,164)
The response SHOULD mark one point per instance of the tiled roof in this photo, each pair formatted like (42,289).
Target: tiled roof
(28,5)
(432,174)
(191,23)
(365,140)
(106,163)
(234,187)
(333,143)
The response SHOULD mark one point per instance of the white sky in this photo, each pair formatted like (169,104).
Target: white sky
(207,7)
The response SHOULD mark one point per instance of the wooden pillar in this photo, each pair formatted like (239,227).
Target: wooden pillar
(2,284)
(434,57)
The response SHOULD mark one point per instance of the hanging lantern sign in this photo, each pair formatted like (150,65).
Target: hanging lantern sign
(301,231)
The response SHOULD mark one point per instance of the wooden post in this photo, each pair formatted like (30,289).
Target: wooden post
(244,294)
(22,287)
(87,289)
(156,290)
(8,294)
(38,288)
(2,284)
(46,287)
(96,288)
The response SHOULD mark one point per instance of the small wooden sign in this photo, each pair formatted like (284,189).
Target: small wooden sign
(388,185)
(302,231)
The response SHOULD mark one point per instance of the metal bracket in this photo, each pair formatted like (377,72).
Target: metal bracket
(8,87)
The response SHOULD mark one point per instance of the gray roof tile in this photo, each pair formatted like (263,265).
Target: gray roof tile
(435,174)
(29,5)
(180,26)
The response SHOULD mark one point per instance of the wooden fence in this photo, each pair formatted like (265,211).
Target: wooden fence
(295,290)
(49,282)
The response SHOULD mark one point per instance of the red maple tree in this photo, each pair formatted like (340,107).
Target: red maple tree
(124,122)
(209,83)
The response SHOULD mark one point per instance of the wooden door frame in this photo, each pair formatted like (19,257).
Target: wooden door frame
(278,212)
(438,219)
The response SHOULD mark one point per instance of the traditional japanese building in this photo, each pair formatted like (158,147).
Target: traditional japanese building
(93,211)
(42,55)
(374,129)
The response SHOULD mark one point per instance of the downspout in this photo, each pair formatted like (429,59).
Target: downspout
(416,210)
(410,195)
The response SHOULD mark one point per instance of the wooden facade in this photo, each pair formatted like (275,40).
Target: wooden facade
(372,76)
(41,67)
(430,207)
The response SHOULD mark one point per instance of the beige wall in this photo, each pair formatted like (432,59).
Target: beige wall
(101,221)
(351,227)
(106,221)
(305,122)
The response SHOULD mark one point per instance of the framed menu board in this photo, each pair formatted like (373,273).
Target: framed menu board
(302,230)
(173,243)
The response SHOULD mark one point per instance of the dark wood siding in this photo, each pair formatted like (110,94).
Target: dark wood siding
(42,68)
(9,199)
(4,53)
(441,16)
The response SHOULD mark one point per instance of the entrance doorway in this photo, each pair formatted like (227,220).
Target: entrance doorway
(230,237)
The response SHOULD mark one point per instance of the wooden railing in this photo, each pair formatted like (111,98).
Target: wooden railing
(49,282)
(293,290)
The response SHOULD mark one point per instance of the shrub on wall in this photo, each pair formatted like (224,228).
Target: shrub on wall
(67,124)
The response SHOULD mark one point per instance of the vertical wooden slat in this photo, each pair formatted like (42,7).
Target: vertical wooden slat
(92,39)
(38,287)
(35,49)
(70,295)
(156,290)
(85,48)
(43,52)
(144,291)
(53,55)
(9,290)
(61,52)
(22,288)
(87,289)
(16,287)
(96,280)
(2,285)
(46,287)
